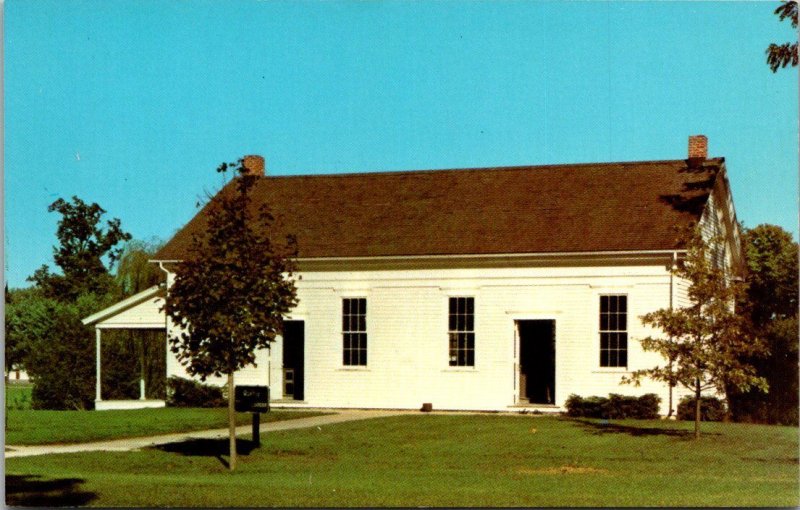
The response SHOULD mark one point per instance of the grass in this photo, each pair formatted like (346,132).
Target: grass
(18,396)
(49,427)
(437,460)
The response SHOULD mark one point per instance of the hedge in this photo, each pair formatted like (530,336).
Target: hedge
(187,393)
(614,406)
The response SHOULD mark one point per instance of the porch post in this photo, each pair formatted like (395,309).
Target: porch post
(98,396)
(141,367)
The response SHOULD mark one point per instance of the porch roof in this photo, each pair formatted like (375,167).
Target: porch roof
(151,317)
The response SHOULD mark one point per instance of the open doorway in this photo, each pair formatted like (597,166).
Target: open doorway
(537,361)
(293,360)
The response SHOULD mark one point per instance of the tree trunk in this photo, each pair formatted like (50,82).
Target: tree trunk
(671,384)
(671,387)
(231,423)
(697,409)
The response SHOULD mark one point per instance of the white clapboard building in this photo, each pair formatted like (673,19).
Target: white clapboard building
(470,289)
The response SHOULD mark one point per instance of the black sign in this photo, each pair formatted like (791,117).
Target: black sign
(251,399)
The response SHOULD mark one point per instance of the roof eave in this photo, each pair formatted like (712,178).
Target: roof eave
(122,305)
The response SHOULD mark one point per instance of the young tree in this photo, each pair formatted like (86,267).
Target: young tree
(230,294)
(782,55)
(706,341)
(84,243)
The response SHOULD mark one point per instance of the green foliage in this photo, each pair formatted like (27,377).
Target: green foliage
(187,393)
(614,407)
(585,407)
(231,293)
(16,345)
(43,324)
(83,244)
(772,302)
(711,409)
(782,55)
(772,266)
(134,272)
(60,358)
(122,359)
(706,344)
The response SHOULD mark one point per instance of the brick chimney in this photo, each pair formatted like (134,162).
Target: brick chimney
(254,165)
(698,147)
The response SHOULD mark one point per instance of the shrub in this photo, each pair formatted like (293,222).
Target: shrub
(614,406)
(711,409)
(643,408)
(590,407)
(187,393)
(61,358)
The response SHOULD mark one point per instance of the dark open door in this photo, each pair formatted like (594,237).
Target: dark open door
(293,359)
(537,361)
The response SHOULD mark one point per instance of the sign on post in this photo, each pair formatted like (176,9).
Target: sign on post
(252,399)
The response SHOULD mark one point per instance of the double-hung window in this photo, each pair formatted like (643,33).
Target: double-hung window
(461,331)
(354,331)
(614,331)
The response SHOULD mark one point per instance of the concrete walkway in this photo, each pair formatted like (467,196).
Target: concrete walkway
(135,443)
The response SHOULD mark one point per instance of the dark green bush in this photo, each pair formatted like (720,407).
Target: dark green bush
(589,407)
(711,409)
(187,393)
(614,406)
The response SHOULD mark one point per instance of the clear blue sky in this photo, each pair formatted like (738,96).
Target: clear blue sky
(133,104)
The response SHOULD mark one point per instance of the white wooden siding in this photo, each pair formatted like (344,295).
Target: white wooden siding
(145,314)
(407,334)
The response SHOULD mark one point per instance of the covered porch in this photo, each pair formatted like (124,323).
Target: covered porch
(139,313)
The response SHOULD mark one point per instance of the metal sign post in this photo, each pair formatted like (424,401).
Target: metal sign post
(257,429)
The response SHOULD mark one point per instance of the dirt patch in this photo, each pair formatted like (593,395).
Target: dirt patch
(561,470)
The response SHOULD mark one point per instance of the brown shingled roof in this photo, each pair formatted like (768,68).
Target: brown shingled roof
(529,209)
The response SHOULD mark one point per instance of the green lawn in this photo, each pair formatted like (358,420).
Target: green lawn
(46,427)
(18,395)
(437,460)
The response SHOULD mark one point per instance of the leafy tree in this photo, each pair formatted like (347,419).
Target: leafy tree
(782,55)
(134,271)
(708,340)
(60,350)
(16,347)
(84,243)
(134,274)
(772,302)
(230,294)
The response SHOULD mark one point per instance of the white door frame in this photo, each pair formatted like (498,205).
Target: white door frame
(515,319)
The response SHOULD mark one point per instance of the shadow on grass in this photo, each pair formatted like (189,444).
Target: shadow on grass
(599,427)
(31,490)
(208,448)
